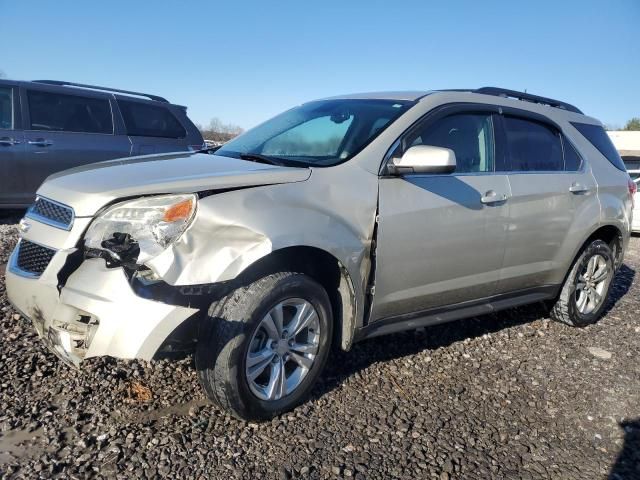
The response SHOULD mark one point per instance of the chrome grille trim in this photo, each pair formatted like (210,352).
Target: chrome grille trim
(51,213)
(30,259)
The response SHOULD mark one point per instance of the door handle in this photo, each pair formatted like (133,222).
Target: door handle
(40,142)
(492,197)
(8,141)
(578,188)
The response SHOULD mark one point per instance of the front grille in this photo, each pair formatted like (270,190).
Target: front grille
(51,212)
(33,258)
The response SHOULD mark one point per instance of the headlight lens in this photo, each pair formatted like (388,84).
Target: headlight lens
(153,223)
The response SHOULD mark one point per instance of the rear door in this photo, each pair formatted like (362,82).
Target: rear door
(11,147)
(152,128)
(553,197)
(441,237)
(65,130)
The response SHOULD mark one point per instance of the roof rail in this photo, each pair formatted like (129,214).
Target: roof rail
(527,97)
(106,89)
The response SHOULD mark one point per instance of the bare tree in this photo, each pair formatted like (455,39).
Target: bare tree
(2,74)
(218,131)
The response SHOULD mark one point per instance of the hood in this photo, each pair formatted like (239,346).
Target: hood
(90,187)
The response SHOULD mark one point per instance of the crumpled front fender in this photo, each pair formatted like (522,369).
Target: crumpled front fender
(333,211)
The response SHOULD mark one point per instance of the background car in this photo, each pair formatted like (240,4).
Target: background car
(633,167)
(47,126)
(628,145)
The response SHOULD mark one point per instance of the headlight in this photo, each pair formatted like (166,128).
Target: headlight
(150,224)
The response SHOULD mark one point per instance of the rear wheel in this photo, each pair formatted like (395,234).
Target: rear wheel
(264,345)
(584,294)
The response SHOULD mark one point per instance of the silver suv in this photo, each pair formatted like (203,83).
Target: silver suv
(339,220)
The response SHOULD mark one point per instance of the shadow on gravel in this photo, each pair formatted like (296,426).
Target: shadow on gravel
(627,464)
(621,285)
(382,349)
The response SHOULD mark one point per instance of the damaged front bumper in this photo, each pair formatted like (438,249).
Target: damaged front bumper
(95,313)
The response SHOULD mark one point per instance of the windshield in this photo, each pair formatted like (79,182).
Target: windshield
(321,133)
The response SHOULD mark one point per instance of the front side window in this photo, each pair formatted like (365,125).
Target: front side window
(144,120)
(321,133)
(6,108)
(469,135)
(532,146)
(69,113)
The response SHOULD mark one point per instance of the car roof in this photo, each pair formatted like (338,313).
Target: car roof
(411,95)
(61,86)
(521,99)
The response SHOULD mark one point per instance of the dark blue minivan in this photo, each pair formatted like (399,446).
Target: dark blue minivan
(48,125)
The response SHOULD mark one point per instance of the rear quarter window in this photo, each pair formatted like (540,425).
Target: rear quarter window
(599,139)
(144,120)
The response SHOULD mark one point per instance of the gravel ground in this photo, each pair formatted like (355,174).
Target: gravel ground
(511,395)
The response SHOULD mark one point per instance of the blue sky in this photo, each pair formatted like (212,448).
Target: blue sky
(246,61)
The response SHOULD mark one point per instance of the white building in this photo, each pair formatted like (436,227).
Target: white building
(627,143)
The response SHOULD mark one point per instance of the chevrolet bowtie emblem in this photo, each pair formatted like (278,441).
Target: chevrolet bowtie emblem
(24,226)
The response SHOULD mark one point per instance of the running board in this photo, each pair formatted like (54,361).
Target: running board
(426,318)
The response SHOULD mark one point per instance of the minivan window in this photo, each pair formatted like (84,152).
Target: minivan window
(572,160)
(469,135)
(599,139)
(144,120)
(69,113)
(321,133)
(6,108)
(532,146)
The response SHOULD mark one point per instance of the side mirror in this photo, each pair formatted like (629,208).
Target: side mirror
(423,159)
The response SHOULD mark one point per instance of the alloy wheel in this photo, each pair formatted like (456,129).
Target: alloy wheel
(592,284)
(283,349)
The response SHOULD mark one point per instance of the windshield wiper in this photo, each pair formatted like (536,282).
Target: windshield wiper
(257,157)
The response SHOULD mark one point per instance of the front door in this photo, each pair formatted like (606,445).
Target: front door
(11,148)
(441,237)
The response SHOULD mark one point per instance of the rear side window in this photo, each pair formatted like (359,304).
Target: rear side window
(599,139)
(69,113)
(572,160)
(532,146)
(144,120)
(6,108)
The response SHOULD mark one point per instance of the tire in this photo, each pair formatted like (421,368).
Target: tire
(238,331)
(569,307)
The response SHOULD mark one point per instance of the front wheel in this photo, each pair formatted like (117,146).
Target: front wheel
(263,346)
(584,294)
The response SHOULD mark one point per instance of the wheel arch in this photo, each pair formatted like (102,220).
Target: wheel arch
(608,233)
(328,271)
(613,236)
